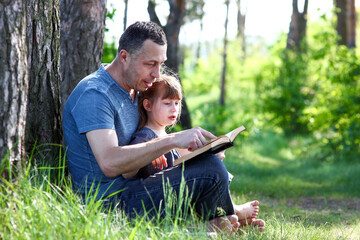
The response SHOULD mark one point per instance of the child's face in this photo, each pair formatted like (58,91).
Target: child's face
(163,112)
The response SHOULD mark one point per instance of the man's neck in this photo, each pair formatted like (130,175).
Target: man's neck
(115,71)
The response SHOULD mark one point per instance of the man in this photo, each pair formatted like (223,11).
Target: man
(99,119)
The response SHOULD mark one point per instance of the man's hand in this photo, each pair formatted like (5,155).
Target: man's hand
(192,139)
(160,162)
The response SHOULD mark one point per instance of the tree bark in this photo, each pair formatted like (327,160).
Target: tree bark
(346,22)
(172,31)
(297,30)
(43,123)
(14,81)
(81,43)
(223,75)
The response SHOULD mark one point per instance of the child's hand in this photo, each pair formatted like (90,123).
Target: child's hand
(160,162)
(221,155)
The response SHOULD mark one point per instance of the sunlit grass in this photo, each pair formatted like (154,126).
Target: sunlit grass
(300,199)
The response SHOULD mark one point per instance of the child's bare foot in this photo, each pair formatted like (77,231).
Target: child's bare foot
(259,223)
(247,212)
(228,224)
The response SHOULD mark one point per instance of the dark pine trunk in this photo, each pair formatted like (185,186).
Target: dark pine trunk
(43,123)
(346,22)
(13,84)
(297,30)
(81,43)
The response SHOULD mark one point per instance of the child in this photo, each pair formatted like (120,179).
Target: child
(159,109)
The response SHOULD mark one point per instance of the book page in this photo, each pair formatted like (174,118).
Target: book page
(233,134)
(223,142)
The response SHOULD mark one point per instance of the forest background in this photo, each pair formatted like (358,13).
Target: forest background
(297,95)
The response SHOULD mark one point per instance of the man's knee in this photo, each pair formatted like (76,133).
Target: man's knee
(210,165)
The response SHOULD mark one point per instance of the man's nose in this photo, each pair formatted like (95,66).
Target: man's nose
(156,72)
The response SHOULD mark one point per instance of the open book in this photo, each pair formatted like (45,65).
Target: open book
(214,145)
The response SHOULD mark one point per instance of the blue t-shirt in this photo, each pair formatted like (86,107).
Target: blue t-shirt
(97,102)
(146,134)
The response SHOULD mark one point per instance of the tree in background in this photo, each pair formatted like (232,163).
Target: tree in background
(285,96)
(125,14)
(14,77)
(297,29)
(43,122)
(172,28)
(81,43)
(223,74)
(241,27)
(346,22)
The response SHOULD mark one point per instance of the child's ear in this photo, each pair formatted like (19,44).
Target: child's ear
(147,105)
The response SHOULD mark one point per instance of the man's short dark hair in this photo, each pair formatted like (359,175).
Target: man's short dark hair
(136,34)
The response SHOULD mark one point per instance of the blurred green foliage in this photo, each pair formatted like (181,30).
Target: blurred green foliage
(334,114)
(109,53)
(315,92)
(283,88)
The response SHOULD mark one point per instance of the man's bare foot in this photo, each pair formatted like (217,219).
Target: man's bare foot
(228,224)
(247,212)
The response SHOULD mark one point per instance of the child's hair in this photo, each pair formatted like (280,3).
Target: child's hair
(172,90)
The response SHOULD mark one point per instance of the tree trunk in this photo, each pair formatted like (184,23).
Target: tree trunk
(223,75)
(172,30)
(346,22)
(297,30)
(241,28)
(81,43)
(341,21)
(14,82)
(43,123)
(125,14)
(352,19)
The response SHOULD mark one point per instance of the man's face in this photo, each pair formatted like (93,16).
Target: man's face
(144,68)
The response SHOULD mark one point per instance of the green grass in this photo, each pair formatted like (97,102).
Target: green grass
(300,199)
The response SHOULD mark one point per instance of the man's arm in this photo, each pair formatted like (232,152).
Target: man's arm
(184,152)
(114,160)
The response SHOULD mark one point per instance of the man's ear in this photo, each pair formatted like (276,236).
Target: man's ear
(147,105)
(123,55)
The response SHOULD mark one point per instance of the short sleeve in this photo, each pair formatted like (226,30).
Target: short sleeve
(92,111)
